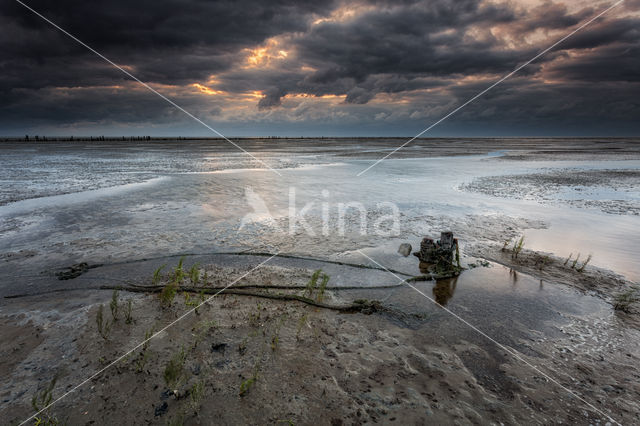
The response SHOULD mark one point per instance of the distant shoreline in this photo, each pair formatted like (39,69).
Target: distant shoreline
(39,138)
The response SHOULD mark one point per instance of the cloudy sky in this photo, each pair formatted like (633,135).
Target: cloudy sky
(323,67)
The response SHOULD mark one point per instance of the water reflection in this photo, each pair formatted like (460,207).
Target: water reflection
(443,290)
(513,274)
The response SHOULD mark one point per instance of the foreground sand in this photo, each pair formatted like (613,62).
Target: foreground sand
(250,360)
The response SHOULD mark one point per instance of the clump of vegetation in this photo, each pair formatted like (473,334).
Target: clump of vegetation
(623,301)
(584,264)
(104,326)
(195,303)
(41,402)
(194,274)
(205,326)
(322,288)
(254,316)
(178,272)
(275,338)
(517,247)
(248,383)
(174,370)
(575,261)
(311,285)
(157,274)
(196,393)
(189,302)
(114,305)
(479,263)
(178,420)
(142,359)
(568,259)
(167,294)
(301,323)
(201,330)
(543,261)
(128,318)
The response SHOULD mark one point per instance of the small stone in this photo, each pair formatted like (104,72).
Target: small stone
(404,249)
(162,409)
(218,347)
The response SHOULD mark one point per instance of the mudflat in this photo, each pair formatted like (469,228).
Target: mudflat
(538,332)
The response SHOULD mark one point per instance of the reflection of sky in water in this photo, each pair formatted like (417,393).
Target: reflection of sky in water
(596,193)
(202,208)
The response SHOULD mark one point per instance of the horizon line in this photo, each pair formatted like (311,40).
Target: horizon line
(102,138)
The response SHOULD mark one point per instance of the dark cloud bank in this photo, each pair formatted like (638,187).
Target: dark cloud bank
(396,66)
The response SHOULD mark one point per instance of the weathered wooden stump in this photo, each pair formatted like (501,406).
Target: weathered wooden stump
(439,256)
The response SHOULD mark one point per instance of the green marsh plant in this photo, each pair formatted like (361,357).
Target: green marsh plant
(104,326)
(174,369)
(157,275)
(194,274)
(517,247)
(128,318)
(144,355)
(114,305)
(248,383)
(178,272)
(584,264)
(575,261)
(623,301)
(301,323)
(196,394)
(41,401)
(189,301)
(568,259)
(311,285)
(168,293)
(322,288)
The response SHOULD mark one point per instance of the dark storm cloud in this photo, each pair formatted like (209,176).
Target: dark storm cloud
(395,48)
(618,63)
(169,42)
(97,105)
(431,39)
(166,41)
(405,40)
(550,15)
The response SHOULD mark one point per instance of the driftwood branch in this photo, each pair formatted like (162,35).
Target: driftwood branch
(157,288)
(364,306)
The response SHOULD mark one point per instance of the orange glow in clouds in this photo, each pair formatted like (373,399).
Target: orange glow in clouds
(207,90)
(264,55)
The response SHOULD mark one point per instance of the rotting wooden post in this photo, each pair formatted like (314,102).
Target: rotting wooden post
(440,254)
(446,240)
(427,251)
